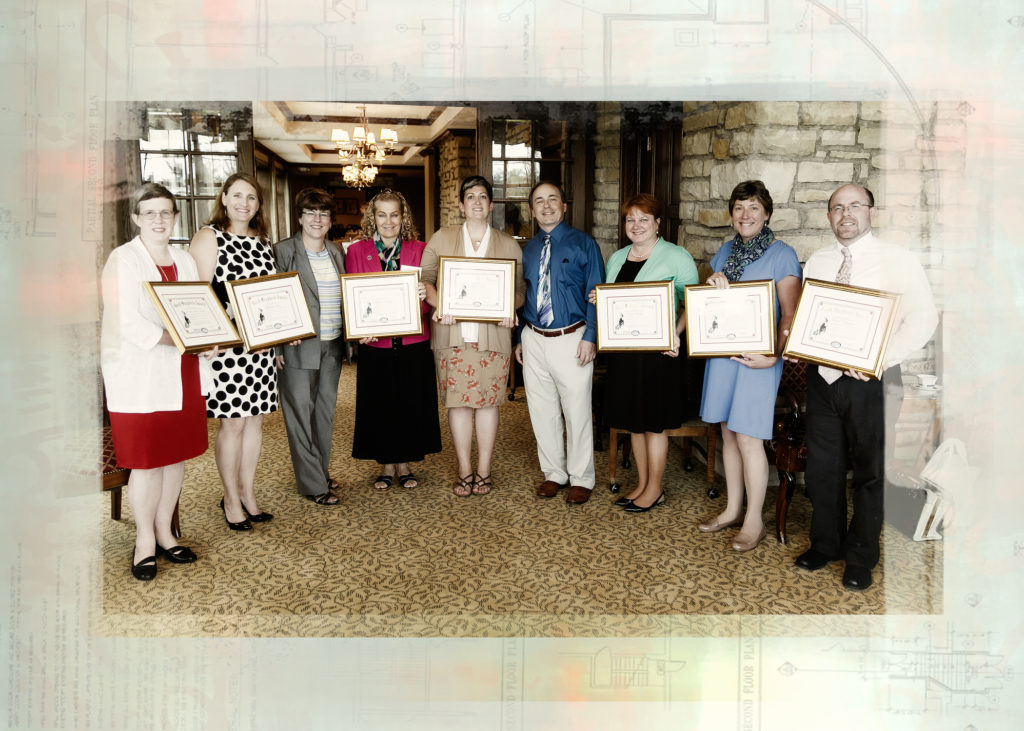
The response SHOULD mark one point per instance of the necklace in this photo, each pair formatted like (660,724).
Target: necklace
(635,255)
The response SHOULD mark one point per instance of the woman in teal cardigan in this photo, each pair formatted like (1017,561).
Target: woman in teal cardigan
(644,394)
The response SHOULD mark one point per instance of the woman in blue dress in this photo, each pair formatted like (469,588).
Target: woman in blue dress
(739,392)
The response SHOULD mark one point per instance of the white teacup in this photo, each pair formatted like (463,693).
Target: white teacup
(927,380)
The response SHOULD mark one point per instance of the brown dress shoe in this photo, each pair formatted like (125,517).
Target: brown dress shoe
(577,495)
(548,489)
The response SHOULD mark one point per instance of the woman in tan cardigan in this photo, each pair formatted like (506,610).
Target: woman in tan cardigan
(472,358)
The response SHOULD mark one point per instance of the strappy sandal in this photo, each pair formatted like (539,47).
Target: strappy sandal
(464,485)
(386,479)
(324,498)
(408,477)
(332,484)
(483,485)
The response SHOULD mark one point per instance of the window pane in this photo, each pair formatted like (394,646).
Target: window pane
(183,228)
(498,173)
(163,131)
(211,171)
(204,210)
(518,139)
(216,143)
(519,179)
(515,219)
(167,170)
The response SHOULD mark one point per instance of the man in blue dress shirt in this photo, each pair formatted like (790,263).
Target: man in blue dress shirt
(558,344)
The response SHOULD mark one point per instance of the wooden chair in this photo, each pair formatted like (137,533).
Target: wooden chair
(115,478)
(787,449)
(688,430)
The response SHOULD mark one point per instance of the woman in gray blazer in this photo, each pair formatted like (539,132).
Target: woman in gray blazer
(310,369)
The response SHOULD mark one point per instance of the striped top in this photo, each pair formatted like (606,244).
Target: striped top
(329,288)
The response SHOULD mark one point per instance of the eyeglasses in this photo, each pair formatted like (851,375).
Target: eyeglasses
(155,215)
(317,214)
(852,208)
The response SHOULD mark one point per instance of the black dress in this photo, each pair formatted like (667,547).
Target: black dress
(396,404)
(644,391)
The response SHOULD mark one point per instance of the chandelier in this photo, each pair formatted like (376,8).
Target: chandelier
(361,153)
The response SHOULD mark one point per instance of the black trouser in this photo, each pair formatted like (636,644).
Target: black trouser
(848,417)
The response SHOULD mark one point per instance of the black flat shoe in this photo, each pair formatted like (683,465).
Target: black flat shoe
(240,525)
(634,508)
(144,570)
(857,578)
(176,554)
(812,560)
(261,517)
(623,502)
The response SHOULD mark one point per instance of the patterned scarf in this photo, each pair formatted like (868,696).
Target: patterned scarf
(388,254)
(745,253)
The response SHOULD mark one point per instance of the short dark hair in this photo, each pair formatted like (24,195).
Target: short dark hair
(752,189)
(870,195)
(545,182)
(313,199)
(644,202)
(471,182)
(149,191)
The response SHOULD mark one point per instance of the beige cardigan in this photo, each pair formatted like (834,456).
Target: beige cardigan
(448,242)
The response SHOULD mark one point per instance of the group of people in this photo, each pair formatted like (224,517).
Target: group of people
(158,410)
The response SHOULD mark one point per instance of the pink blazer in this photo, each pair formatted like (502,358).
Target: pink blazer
(362,257)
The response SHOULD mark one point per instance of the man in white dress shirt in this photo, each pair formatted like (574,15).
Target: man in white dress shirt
(847,412)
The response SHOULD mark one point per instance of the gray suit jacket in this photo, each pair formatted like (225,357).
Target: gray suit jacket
(290,255)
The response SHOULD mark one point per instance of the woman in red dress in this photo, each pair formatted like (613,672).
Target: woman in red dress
(154,394)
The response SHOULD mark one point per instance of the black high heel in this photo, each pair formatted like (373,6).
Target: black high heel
(240,525)
(623,502)
(261,517)
(634,508)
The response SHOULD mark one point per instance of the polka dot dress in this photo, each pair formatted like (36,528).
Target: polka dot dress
(244,384)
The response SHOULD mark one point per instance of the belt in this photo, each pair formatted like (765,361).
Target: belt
(555,333)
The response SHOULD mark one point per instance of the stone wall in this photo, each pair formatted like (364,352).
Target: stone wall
(805,150)
(456,160)
(606,177)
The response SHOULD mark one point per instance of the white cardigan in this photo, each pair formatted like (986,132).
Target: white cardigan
(140,375)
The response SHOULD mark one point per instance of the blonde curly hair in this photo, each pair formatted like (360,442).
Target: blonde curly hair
(369,225)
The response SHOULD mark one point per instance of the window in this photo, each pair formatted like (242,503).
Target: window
(522,153)
(191,152)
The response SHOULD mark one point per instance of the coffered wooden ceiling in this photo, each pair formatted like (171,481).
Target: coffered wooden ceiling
(300,132)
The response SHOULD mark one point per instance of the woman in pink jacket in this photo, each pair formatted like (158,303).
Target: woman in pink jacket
(396,394)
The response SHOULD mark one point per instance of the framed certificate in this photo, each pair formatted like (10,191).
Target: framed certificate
(636,316)
(270,310)
(193,315)
(476,289)
(726,322)
(843,327)
(381,304)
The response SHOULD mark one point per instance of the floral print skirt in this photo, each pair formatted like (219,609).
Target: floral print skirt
(470,377)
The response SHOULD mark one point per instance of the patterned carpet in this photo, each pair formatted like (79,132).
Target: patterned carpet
(423,562)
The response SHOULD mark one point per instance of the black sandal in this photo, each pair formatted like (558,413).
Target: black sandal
(464,485)
(386,479)
(483,485)
(324,498)
(408,477)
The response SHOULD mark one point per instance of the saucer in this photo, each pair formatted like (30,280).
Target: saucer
(927,389)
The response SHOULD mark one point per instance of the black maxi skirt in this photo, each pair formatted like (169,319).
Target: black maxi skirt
(396,404)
